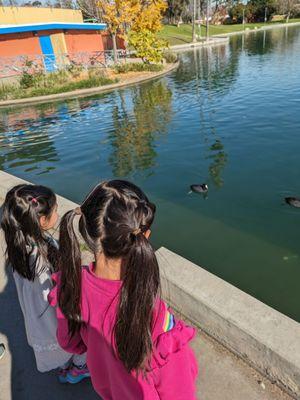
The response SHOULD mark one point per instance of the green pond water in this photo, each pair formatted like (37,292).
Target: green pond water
(230,117)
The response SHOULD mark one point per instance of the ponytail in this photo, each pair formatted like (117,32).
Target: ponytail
(139,292)
(70,267)
(23,206)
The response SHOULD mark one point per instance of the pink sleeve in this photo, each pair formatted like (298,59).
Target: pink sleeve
(74,344)
(176,367)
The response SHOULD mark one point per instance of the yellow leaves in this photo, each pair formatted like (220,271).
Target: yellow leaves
(119,14)
(147,46)
(141,19)
(150,16)
(124,15)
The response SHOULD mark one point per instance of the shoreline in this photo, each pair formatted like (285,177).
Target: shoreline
(214,40)
(89,91)
(224,37)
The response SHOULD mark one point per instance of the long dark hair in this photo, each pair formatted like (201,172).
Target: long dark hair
(23,206)
(114,218)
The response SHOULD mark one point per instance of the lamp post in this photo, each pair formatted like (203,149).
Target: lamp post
(207,21)
(266,9)
(199,20)
(194,39)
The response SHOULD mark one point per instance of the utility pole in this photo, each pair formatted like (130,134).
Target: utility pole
(207,19)
(266,14)
(199,19)
(194,39)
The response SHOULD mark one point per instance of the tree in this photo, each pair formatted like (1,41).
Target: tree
(259,7)
(255,10)
(286,7)
(175,10)
(119,16)
(138,21)
(238,11)
(89,9)
(67,4)
(144,29)
(147,45)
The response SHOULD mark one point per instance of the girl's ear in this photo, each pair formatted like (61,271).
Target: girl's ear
(147,234)
(43,222)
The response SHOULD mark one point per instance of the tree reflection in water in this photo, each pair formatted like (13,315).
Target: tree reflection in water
(136,127)
(219,159)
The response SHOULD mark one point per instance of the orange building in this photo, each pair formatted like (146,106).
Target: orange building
(52,41)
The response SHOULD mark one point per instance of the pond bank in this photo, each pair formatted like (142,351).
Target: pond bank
(183,34)
(223,38)
(259,335)
(138,77)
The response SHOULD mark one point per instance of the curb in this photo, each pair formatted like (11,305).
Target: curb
(214,41)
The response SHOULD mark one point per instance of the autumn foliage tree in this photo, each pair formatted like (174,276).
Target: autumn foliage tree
(137,21)
(118,15)
(143,32)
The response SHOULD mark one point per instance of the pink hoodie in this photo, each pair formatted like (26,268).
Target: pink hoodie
(173,364)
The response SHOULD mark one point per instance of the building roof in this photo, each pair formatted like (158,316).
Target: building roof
(5,29)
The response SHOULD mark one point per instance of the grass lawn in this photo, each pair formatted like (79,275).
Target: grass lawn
(183,34)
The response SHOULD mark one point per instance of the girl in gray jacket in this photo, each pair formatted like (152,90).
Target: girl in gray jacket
(29,211)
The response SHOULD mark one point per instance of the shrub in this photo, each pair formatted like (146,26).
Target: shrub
(26,80)
(6,90)
(74,69)
(137,67)
(41,84)
(147,45)
(170,56)
(97,73)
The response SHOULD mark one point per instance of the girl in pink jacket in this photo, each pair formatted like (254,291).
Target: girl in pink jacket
(136,349)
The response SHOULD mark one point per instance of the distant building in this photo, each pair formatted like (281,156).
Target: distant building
(49,37)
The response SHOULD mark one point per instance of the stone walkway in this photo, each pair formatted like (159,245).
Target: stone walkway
(222,375)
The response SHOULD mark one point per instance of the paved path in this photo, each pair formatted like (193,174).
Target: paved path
(222,375)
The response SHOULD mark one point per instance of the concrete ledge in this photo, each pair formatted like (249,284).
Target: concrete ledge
(213,41)
(260,28)
(266,339)
(263,337)
(88,92)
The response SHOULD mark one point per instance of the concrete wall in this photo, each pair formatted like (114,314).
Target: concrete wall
(263,337)
(59,43)
(33,15)
(72,41)
(19,44)
(83,41)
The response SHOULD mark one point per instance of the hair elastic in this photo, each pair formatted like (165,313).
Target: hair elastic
(78,211)
(137,231)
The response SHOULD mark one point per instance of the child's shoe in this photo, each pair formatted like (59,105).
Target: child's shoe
(62,375)
(77,374)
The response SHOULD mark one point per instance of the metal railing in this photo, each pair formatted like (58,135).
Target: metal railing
(13,66)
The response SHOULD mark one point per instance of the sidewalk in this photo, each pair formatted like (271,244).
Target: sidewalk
(222,376)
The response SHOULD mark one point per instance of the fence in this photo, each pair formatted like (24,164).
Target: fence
(14,66)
